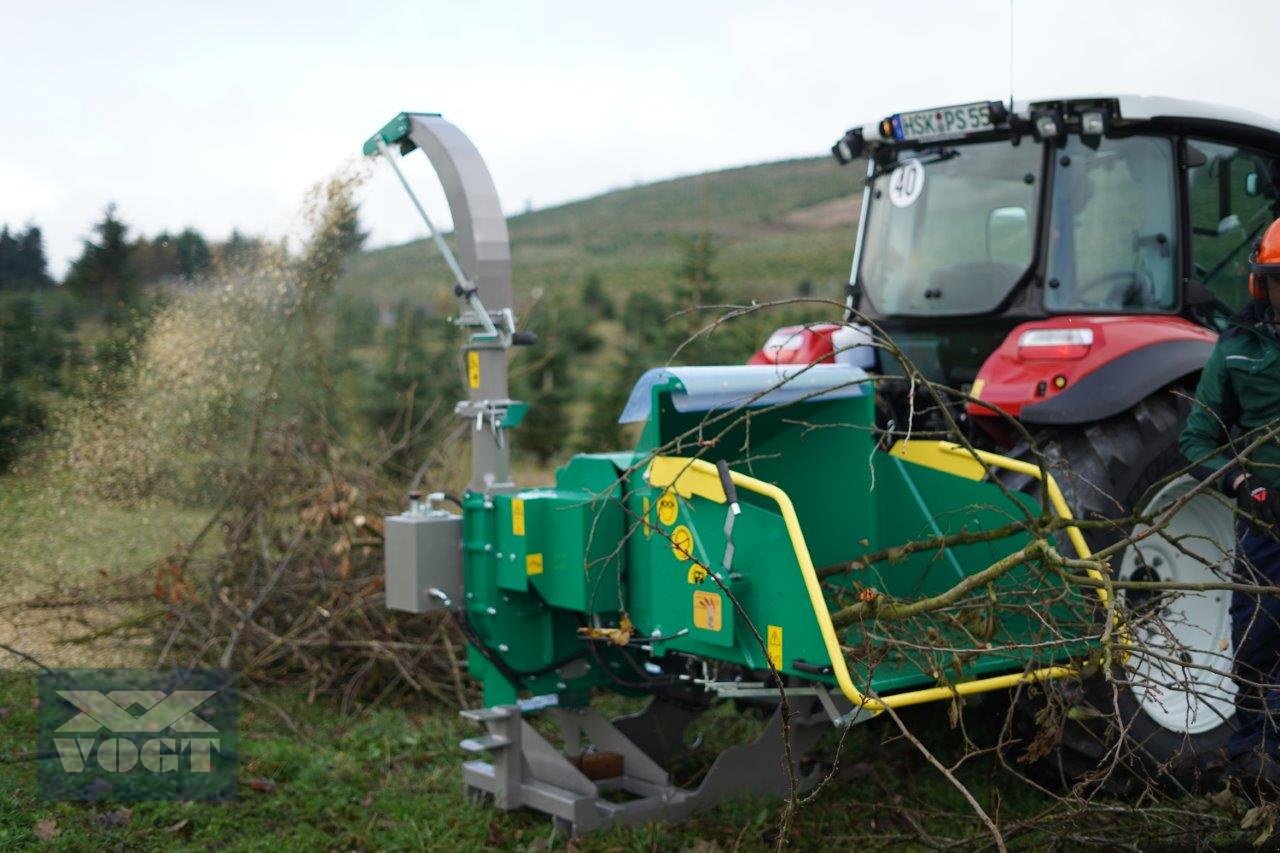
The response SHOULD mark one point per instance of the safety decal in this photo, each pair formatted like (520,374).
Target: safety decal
(682,543)
(533,564)
(645,524)
(473,369)
(668,508)
(773,642)
(517,516)
(697,573)
(706,611)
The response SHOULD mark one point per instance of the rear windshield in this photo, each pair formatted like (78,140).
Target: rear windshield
(950,230)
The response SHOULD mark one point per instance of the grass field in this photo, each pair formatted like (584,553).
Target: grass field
(389,778)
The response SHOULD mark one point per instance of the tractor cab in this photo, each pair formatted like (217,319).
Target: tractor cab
(1079,223)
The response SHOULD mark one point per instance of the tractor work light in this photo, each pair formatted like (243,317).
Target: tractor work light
(1093,123)
(849,147)
(1054,344)
(1047,124)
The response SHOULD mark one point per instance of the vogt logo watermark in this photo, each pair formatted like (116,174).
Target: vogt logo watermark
(133,734)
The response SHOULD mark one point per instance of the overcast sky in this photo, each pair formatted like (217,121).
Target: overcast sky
(220,115)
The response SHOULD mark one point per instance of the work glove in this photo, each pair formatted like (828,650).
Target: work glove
(1259,502)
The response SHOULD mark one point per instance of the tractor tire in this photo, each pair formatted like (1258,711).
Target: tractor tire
(1104,470)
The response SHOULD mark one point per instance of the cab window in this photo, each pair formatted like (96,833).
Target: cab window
(1232,201)
(1112,227)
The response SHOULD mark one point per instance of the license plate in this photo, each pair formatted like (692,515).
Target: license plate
(942,123)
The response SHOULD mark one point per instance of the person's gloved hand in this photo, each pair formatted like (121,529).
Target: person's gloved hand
(1258,501)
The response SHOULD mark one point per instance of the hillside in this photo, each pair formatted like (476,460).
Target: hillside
(776,225)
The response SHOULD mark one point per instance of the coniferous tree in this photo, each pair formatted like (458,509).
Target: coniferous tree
(194,256)
(544,377)
(594,298)
(238,249)
(103,276)
(23,265)
(8,258)
(155,260)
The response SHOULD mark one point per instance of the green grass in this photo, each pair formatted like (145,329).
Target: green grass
(767,245)
(390,778)
(53,532)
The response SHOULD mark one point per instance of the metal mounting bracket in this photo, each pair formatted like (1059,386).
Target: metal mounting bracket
(528,771)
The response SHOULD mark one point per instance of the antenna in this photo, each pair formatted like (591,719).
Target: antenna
(1011,57)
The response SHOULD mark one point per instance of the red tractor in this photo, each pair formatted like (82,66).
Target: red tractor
(1071,262)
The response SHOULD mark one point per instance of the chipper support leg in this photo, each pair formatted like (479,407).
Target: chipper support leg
(527,770)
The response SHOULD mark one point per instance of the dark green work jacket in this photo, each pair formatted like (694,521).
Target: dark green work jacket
(1240,387)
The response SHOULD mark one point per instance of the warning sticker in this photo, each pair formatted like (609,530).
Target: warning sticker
(473,369)
(533,565)
(517,516)
(682,543)
(697,574)
(773,642)
(668,508)
(706,611)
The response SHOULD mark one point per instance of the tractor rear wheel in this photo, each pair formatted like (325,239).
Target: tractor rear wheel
(1166,717)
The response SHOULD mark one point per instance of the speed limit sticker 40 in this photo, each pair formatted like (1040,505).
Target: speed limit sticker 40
(906,183)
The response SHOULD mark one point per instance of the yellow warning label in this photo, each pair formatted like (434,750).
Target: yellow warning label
(473,369)
(706,611)
(682,543)
(517,516)
(773,641)
(533,565)
(697,574)
(644,519)
(668,508)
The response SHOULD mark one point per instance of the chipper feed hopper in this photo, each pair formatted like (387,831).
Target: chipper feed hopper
(721,558)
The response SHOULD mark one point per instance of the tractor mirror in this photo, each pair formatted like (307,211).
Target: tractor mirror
(1008,235)
(1251,184)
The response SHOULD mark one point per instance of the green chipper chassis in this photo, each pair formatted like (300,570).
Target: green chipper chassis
(710,562)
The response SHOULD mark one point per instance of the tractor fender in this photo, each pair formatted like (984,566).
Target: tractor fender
(1125,360)
(1120,384)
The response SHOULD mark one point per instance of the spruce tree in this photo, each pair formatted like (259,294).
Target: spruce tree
(103,276)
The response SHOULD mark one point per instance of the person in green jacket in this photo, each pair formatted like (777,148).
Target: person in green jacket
(1233,434)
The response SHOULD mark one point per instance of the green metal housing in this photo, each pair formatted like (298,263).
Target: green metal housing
(542,564)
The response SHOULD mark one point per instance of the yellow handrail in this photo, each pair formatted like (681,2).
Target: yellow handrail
(690,476)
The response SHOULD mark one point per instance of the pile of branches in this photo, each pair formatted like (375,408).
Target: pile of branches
(293,593)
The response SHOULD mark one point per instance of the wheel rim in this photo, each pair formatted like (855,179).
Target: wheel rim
(1183,683)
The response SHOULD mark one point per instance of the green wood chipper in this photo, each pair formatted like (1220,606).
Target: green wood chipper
(741,550)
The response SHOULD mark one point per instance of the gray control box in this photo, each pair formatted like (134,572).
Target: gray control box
(424,552)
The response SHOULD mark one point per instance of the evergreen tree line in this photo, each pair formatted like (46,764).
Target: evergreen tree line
(115,280)
(112,263)
(23,265)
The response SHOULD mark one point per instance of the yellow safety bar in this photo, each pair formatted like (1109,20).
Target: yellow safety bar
(698,477)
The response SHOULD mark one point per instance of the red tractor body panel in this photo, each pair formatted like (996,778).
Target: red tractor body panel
(809,344)
(1028,369)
